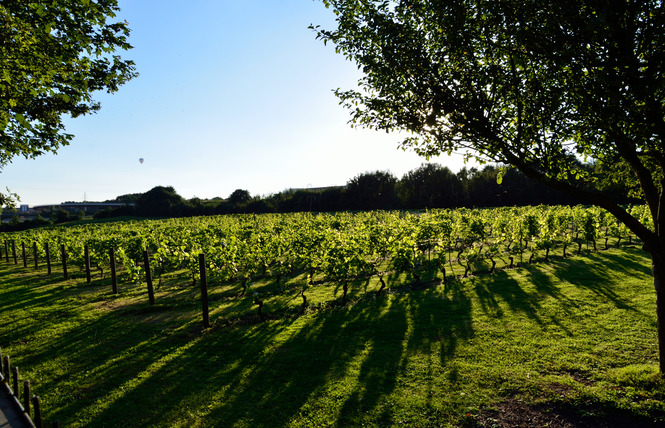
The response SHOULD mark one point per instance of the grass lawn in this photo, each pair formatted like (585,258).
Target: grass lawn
(563,343)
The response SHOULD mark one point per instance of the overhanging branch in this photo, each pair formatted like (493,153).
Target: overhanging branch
(647,236)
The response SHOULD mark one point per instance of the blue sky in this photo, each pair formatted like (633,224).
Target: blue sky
(231,94)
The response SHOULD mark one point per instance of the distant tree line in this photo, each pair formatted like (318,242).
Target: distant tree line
(55,216)
(428,186)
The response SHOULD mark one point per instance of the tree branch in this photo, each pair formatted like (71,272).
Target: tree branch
(647,236)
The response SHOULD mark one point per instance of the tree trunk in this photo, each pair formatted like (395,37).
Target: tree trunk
(259,302)
(383,285)
(244,286)
(658,268)
(304,301)
(660,311)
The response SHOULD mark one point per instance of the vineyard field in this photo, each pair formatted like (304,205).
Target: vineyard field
(332,248)
(437,318)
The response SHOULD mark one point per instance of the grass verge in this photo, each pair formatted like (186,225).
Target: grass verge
(568,342)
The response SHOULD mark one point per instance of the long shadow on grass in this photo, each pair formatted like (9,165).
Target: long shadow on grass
(88,352)
(502,291)
(261,380)
(631,261)
(591,273)
(29,297)
(440,320)
(338,362)
(437,324)
(24,291)
(95,355)
(501,287)
(143,366)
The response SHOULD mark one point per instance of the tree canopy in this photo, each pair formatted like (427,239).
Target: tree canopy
(372,191)
(537,85)
(159,201)
(543,86)
(240,196)
(53,57)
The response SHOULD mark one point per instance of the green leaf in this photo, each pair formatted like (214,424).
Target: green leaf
(21,119)
(500,174)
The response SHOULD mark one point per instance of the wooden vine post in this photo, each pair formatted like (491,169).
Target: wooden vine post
(29,402)
(6,364)
(14,252)
(204,290)
(34,255)
(26,396)
(15,381)
(48,258)
(25,257)
(148,277)
(86,252)
(36,404)
(6,251)
(114,279)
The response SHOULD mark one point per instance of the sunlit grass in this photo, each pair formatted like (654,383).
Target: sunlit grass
(578,331)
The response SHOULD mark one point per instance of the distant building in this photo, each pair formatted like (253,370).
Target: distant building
(87,207)
(24,212)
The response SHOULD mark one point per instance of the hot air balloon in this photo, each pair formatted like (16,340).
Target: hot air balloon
(141,160)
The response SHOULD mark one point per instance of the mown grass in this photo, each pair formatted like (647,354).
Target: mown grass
(578,332)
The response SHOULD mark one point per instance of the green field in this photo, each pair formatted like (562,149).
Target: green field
(573,340)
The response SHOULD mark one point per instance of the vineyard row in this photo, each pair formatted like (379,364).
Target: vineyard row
(334,247)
